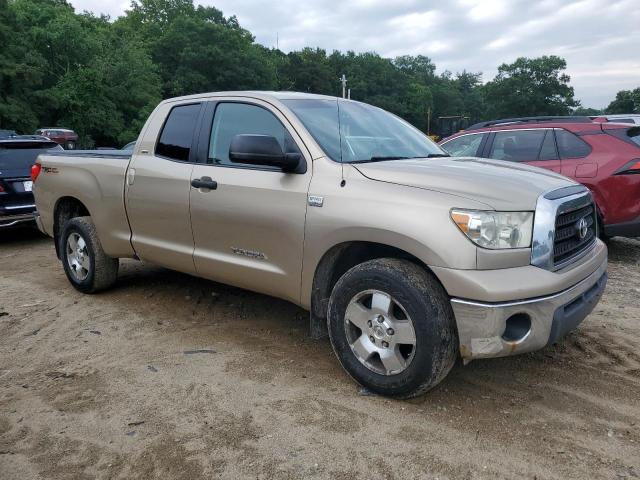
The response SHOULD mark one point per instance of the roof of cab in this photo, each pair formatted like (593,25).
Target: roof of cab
(260,94)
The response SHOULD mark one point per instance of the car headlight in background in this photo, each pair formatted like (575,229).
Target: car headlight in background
(495,230)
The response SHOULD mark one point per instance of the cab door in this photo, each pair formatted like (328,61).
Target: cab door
(158,186)
(248,221)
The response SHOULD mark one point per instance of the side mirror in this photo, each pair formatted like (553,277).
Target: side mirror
(262,150)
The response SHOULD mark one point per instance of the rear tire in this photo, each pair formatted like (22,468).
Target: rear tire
(392,327)
(88,268)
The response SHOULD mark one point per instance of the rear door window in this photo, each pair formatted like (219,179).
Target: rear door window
(517,145)
(464,145)
(177,134)
(570,145)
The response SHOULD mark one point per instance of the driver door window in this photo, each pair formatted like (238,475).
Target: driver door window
(233,119)
(249,231)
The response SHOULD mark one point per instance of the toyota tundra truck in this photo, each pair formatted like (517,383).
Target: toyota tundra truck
(408,259)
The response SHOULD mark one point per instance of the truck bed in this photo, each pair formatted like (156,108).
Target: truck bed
(93,154)
(96,180)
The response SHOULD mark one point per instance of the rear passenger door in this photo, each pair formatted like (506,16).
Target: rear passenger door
(535,147)
(158,184)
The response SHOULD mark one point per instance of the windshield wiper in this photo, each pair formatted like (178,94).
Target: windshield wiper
(379,159)
(385,158)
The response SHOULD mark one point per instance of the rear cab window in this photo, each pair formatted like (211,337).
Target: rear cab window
(176,137)
(466,145)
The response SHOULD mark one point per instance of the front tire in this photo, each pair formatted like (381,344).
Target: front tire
(392,327)
(88,268)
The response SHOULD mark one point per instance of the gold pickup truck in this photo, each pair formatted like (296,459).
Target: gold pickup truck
(407,258)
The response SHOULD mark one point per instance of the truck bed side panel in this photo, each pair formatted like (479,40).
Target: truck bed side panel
(97,181)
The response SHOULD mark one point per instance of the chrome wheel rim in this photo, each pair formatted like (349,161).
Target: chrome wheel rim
(380,332)
(78,257)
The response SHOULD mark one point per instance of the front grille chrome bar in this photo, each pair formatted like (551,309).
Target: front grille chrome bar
(549,207)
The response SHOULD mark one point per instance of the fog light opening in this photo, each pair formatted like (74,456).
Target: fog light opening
(517,327)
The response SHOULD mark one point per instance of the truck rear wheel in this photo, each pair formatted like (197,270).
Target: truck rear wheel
(392,327)
(87,267)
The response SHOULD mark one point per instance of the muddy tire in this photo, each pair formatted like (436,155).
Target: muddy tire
(392,327)
(87,267)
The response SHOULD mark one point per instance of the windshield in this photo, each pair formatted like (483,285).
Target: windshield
(353,132)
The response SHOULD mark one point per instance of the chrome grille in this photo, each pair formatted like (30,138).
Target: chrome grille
(575,232)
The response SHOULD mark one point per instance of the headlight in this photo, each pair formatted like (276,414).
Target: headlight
(495,230)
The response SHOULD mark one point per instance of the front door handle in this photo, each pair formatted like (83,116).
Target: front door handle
(204,182)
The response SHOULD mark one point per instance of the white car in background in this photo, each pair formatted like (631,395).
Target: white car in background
(633,118)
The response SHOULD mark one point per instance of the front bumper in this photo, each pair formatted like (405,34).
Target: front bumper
(488,330)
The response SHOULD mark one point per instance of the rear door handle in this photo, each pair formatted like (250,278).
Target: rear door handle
(204,182)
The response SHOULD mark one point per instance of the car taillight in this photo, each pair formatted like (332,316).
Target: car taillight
(631,168)
(1,189)
(35,171)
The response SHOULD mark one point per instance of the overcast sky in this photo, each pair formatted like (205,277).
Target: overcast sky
(600,39)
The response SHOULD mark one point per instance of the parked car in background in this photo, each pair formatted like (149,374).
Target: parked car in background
(62,136)
(17,154)
(605,157)
(407,257)
(633,118)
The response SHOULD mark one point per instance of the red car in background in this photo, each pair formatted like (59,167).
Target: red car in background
(605,157)
(62,136)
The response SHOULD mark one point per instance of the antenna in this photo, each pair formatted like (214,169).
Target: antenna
(277,41)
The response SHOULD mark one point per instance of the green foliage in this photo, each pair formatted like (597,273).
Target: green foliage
(587,112)
(529,87)
(102,77)
(626,101)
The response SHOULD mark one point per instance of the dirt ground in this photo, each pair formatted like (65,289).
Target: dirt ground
(169,376)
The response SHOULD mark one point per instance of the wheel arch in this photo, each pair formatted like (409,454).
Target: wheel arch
(338,260)
(66,208)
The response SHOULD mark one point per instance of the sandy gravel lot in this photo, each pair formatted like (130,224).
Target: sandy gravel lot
(169,376)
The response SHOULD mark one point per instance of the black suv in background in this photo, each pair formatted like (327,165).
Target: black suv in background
(17,154)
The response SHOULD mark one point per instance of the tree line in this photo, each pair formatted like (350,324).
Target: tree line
(102,77)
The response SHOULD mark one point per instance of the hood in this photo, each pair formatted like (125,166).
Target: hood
(501,185)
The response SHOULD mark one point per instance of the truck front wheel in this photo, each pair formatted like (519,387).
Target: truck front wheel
(392,327)
(87,267)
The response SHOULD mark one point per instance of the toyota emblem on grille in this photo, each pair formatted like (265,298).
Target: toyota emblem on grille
(582,227)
